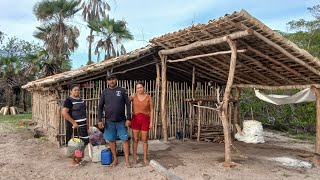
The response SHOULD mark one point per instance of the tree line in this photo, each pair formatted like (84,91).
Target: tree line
(22,61)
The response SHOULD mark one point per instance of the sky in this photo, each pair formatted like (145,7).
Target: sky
(152,18)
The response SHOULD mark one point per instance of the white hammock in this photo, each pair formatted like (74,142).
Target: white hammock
(303,96)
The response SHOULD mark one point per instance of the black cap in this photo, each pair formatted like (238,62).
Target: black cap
(111,76)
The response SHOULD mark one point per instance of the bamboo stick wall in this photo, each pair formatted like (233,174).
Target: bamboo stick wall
(178,109)
(46,112)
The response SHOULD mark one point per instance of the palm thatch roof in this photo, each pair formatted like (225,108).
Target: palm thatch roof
(264,57)
(99,70)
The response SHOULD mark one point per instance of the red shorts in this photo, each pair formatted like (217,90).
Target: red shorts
(140,122)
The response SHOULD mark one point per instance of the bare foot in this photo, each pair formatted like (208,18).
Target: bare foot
(128,165)
(113,164)
(146,162)
(134,162)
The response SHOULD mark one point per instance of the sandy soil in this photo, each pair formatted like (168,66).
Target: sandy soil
(24,157)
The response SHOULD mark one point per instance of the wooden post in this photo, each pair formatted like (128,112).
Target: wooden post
(223,112)
(156,107)
(236,109)
(164,96)
(199,120)
(317,146)
(193,81)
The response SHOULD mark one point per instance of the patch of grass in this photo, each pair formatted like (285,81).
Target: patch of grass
(14,118)
(304,137)
(10,123)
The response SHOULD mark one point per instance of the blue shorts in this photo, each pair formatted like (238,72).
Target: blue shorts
(115,129)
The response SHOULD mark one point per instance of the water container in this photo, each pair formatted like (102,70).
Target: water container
(106,157)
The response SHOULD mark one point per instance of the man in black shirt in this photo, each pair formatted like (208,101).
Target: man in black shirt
(113,101)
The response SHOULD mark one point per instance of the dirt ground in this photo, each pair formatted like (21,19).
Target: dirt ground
(24,157)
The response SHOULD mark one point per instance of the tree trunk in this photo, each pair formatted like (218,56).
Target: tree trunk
(8,95)
(90,47)
(24,92)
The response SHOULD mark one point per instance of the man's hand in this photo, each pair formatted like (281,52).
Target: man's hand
(128,123)
(100,125)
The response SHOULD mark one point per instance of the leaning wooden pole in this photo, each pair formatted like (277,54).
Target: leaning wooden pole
(164,96)
(223,112)
(317,147)
(236,109)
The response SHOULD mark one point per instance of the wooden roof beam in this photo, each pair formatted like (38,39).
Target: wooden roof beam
(289,55)
(260,65)
(205,55)
(238,62)
(204,72)
(214,41)
(259,53)
(244,27)
(217,70)
(252,86)
(241,64)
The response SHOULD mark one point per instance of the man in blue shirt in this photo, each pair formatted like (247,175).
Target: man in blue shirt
(113,102)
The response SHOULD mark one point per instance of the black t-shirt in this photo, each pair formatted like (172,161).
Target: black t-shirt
(113,102)
(77,110)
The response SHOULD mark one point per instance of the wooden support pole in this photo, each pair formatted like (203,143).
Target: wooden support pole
(317,146)
(164,96)
(223,113)
(193,81)
(251,86)
(236,109)
(157,100)
(197,44)
(199,120)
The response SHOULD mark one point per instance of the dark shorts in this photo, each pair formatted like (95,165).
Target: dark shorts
(140,122)
(115,129)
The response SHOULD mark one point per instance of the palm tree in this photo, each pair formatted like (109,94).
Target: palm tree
(58,36)
(113,33)
(49,35)
(93,9)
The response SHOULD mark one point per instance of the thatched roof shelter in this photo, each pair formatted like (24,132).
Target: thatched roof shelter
(236,51)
